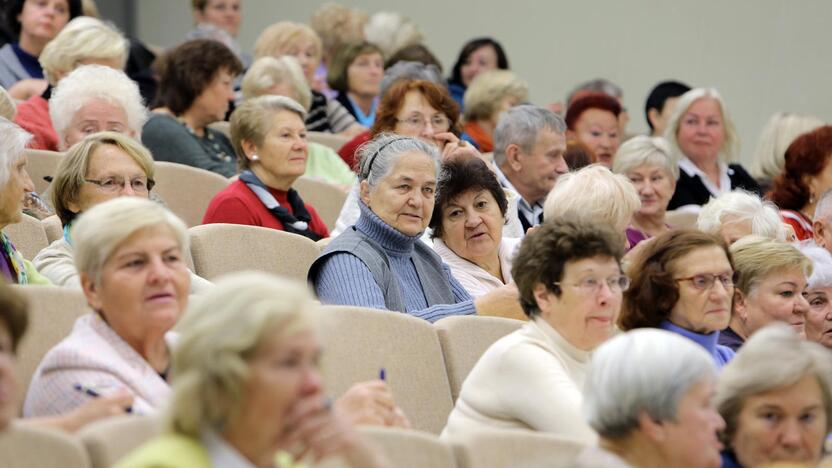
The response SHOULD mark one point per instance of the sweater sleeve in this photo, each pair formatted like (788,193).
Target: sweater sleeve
(339,118)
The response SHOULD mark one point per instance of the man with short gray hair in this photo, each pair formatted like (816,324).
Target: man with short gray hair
(529,143)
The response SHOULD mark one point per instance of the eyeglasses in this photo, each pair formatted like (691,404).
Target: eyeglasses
(114,184)
(705,281)
(592,285)
(439,123)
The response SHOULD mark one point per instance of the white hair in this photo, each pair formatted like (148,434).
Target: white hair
(731,144)
(821,264)
(741,205)
(13,141)
(91,82)
(641,150)
(646,370)
(379,155)
(779,132)
(268,71)
(391,32)
(83,38)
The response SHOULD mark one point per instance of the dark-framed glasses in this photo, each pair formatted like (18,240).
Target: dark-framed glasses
(705,281)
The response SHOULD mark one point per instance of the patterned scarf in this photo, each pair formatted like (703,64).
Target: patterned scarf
(15,260)
(297,223)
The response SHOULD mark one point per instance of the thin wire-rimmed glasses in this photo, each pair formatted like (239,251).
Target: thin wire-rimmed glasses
(592,285)
(705,281)
(417,123)
(114,184)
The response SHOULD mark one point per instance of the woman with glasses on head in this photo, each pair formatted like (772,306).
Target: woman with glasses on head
(683,282)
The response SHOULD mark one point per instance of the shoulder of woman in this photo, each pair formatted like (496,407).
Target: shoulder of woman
(168,451)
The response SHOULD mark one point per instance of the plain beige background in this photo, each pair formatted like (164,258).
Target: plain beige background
(764,56)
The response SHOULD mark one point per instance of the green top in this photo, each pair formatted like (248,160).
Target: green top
(324,164)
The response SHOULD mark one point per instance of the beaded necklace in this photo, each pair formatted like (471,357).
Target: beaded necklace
(208,143)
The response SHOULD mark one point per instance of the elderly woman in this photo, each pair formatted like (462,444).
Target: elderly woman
(269,137)
(102,167)
(489,95)
(683,282)
(356,73)
(477,56)
(612,200)
(380,262)
(95,99)
(771,287)
(83,41)
(778,133)
(805,178)
(737,214)
(300,41)
(703,140)
(569,276)
(647,163)
(467,223)
(247,389)
(593,120)
(819,295)
(776,400)
(648,395)
(195,87)
(15,186)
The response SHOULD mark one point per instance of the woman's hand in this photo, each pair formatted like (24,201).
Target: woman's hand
(26,88)
(97,408)
(501,302)
(453,147)
(371,404)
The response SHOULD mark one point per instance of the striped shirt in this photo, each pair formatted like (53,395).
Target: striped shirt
(327,115)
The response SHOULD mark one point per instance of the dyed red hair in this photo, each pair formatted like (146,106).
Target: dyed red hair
(590,101)
(436,95)
(807,157)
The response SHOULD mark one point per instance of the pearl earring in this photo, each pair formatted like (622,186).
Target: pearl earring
(254,157)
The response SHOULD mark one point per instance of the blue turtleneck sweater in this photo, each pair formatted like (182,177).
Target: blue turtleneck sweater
(345,279)
(721,354)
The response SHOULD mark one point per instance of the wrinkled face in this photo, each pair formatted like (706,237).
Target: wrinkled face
(43,19)
(110,165)
(702,310)
(598,130)
(481,60)
(307,53)
(418,119)
(144,285)
(734,228)
(404,198)
(283,152)
(224,14)
(787,424)
(701,131)
(691,440)
(473,225)
(654,186)
(780,296)
(539,169)
(819,316)
(212,103)
(8,378)
(365,73)
(584,315)
(14,192)
(97,115)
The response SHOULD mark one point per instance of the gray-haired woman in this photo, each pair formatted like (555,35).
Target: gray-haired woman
(379,262)
(819,294)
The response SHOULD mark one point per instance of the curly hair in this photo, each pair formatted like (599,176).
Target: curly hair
(807,157)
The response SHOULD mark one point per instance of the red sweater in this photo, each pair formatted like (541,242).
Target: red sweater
(349,152)
(237,204)
(33,116)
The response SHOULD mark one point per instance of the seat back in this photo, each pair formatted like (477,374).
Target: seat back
(328,139)
(681,219)
(360,341)
(23,446)
(326,198)
(222,126)
(54,229)
(52,313)
(410,449)
(224,248)
(465,338)
(28,236)
(187,190)
(109,440)
(510,448)
(40,164)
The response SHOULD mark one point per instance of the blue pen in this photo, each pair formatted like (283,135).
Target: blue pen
(89,391)
(382,375)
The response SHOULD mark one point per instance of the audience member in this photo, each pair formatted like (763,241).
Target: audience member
(392,32)
(770,287)
(355,73)
(569,276)
(235,401)
(593,120)
(819,295)
(822,223)
(703,140)
(577,155)
(660,104)
(489,95)
(776,400)
(603,86)
(269,138)
(8,106)
(337,26)
(477,56)
(195,89)
(778,133)
(734,215)
(805,177)
(219,20)
(83,41)
(683,282)
(648,394)
(414,53)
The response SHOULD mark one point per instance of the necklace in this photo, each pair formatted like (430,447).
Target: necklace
(208,143)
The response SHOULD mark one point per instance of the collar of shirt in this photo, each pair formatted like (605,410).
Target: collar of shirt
(531,212)
(222,453)
(691,169)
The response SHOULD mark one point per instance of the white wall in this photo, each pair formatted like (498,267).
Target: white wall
(763,55)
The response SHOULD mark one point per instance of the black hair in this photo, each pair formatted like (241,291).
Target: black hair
(469,48)
(660,94)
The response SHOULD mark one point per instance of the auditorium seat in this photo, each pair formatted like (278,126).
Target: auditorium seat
(510,448)
(109,440)
(28,236)
(40,164)
(410,449)
(327,199)
(327,139)
(187,190)
(222,126)
(53,228)
(25,446)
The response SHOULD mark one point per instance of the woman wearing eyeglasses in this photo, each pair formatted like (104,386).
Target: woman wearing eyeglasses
(683,282)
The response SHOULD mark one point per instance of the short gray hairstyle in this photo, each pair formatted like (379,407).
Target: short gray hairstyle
(646,370)
(411,71)
(13,141)
(379,155)
(772,358)
(391,32)
(520,126)
(779,132)
(89,82)
(83,38)
(268,71)
(252,121)
(742,205)
(731,145)
(99,231)
(641,150)
(598,85)
(821,264)
(823,210)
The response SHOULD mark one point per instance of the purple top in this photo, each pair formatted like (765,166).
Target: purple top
(634,236)
(6,269)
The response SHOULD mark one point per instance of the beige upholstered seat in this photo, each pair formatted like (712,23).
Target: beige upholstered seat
(410,449)
(187,190)
(217,249)
(40,164)
(53,228)
(681,219)
(109,440)
(222,126)
(327,199)
(513,448)
(52,313)
(22,446)
(28,236)
(465,338)
(359,342)
(329,139)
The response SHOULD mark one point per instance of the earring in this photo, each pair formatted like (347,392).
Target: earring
(254,157)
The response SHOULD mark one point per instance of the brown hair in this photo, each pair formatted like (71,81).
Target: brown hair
(393,100)
(13,313)
(338,77)
(653,291)
(807,156)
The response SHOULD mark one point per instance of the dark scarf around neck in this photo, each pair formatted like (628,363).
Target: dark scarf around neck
(297,223)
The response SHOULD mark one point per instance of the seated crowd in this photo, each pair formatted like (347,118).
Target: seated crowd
(671,308)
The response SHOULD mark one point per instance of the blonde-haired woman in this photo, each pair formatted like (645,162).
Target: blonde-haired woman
(248,391)
(778,133)
(703,139)
(83,41)
(487,97)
